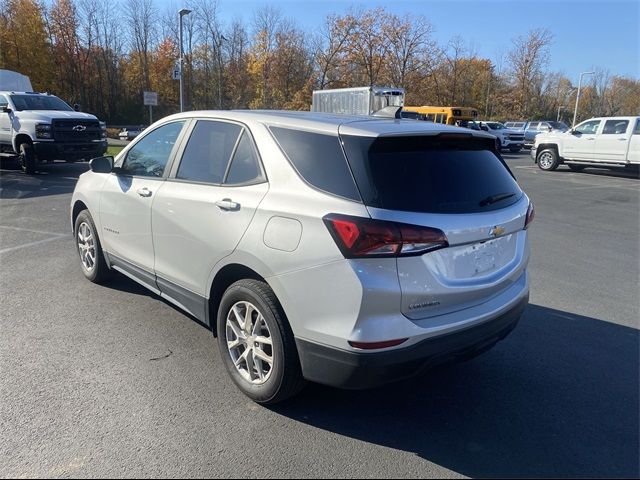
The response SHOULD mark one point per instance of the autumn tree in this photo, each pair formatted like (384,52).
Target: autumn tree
(24,41)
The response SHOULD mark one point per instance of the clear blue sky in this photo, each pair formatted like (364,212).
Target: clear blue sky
(587,33)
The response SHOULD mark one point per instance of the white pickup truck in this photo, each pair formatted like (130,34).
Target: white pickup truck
(40,128)
(597,142)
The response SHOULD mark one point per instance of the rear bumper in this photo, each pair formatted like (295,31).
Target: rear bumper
(354,370)
(69,151)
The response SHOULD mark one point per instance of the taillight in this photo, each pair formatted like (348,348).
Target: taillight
(531,213)
(358,237)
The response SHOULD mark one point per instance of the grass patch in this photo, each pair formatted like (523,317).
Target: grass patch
(113,150)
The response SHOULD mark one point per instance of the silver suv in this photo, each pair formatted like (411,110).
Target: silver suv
(348,251)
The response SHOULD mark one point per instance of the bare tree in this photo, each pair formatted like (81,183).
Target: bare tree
(527,60)
(411,47)
(141,20)
(330,47)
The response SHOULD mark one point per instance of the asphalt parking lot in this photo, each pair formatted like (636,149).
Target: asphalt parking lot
(111,381)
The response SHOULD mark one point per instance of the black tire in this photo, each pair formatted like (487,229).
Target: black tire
(100,272)
(27,158)
(548,159)
(576,168)
(285,375)
(515,149)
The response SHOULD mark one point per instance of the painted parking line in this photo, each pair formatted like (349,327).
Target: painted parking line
(31,244)
(52,237)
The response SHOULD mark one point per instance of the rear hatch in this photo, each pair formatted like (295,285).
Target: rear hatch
(455,183)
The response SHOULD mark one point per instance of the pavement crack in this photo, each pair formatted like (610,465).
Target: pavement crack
(162,357)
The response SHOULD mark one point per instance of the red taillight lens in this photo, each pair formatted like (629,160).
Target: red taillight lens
(531,213)
(363,237)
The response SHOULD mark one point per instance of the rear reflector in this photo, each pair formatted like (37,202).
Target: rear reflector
(531,213)
(377,345)
(358,237)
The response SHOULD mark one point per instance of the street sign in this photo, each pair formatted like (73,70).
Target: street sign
(151,98)
(176,73)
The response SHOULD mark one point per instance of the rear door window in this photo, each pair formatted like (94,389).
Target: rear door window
(318,159)
(245,166)
(615,127)
(429,174)
(208,151)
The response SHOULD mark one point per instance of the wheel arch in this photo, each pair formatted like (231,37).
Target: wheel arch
(223,279)
(546,146)
(78,206)
(20,139)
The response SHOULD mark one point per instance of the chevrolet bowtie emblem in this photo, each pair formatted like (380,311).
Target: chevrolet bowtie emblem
(496,231)
(79,128)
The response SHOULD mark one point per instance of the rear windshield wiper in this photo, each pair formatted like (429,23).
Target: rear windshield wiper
(495,198)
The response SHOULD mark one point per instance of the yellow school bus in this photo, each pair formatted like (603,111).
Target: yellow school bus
(460,116)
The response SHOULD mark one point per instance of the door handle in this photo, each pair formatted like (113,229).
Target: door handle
(227,204)
(144,192)
(590,138)
(623,139)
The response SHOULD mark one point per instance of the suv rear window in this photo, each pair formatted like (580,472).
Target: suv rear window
(430,174)
(319,160)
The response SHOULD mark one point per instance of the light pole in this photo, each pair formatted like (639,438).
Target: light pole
(562,106)
(182,13)
(575,113)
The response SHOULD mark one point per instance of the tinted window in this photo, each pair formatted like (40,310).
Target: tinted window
(245,167)
(319,160)
(636,131)
(559,126)
(588,127)
(533,126)
(613,127)
(208,151)
(428,174)
(149,157)
(39,102)
(3,102)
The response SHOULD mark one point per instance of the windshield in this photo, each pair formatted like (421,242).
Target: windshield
(429,174)
(559,126)
(495,125)
(39,102)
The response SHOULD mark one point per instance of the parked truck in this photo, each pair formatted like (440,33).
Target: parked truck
(357,101)
(40,128)
(597,142)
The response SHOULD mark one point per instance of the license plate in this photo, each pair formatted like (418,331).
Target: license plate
(484,256)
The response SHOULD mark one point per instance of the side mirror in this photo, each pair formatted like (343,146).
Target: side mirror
(101,164)
(6,110)
(573,131)
(76,107)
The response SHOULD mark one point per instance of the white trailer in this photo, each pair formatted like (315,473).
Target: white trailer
(357,101)
(14,82)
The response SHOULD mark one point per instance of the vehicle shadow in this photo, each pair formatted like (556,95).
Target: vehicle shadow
(603,172)
(557,398)
(122,283)
(50,179)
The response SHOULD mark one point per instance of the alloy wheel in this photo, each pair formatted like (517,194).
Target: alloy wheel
(86,246)
(249,343)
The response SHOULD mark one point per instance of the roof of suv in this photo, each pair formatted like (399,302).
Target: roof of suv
(330,123)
